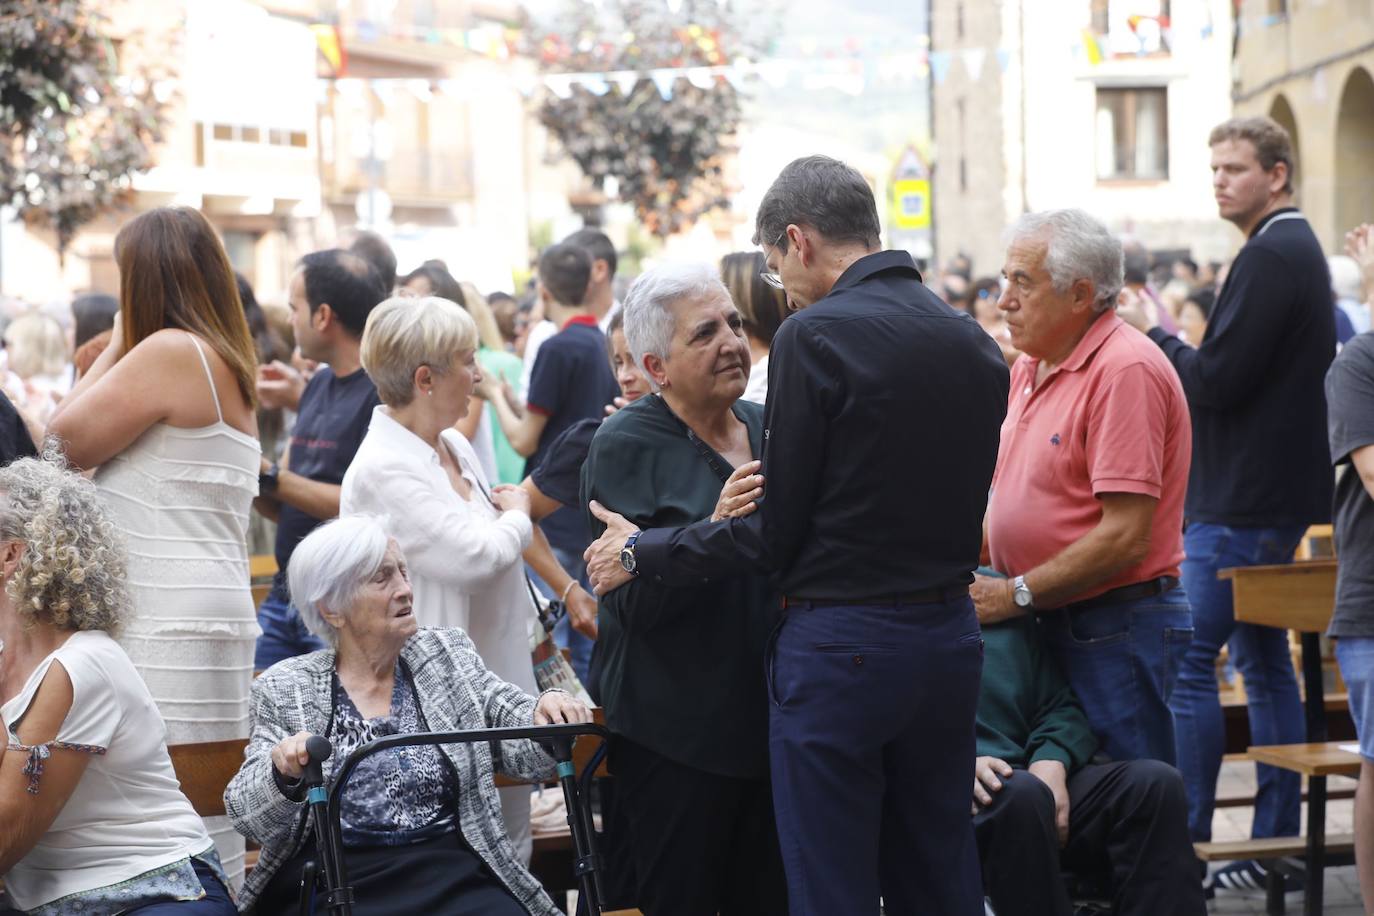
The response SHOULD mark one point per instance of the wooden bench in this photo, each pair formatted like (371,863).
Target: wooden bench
(1298,596)
(261,570)
(204,770)
(1274,847)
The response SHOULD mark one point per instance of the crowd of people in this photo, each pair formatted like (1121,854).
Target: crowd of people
(889,590)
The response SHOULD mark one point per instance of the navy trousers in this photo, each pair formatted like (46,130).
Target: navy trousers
(871,737)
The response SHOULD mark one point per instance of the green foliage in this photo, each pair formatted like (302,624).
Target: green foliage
(667,155)
(75,130)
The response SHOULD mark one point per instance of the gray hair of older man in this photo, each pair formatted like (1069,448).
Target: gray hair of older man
(1078,247)
(649,317)
(330,565)
(821,192)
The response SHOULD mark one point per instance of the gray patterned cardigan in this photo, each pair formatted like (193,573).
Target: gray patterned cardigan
(455,691)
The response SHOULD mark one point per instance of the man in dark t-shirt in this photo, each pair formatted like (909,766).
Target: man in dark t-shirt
(331,295)
(1350,422)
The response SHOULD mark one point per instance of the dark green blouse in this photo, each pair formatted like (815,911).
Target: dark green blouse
(682,668)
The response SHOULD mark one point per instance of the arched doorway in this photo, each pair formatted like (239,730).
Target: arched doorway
(1355,153)
(1282,112)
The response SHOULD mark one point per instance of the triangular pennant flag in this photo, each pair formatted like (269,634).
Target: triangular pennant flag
(1003,59)
(973,62)
(663,80)
(1092,47)
(595,83)
(525,84)
(560,85)
(939,65)
(331,47)
(702,78)
(625,81)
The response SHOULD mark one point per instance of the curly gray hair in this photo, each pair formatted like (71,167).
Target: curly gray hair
(71,574)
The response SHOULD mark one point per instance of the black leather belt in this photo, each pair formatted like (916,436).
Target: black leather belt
(1146,589)
(927,596)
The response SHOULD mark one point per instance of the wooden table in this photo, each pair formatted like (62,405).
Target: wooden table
(1298,596)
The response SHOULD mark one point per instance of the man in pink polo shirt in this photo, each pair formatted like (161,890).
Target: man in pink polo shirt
(1085,516)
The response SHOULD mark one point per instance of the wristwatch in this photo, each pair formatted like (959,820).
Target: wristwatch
(627,555)
(267,480)
(1021,593)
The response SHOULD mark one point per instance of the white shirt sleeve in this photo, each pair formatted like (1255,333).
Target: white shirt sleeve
(95,714)
(442,538)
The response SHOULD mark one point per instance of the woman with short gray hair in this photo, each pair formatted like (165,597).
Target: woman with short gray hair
(91,817)
(421,824)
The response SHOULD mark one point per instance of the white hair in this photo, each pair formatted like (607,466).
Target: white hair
(1345,277)
(1078,247)
(649,317)
(330,565)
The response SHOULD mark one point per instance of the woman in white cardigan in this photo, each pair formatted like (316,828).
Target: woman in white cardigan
(463,538)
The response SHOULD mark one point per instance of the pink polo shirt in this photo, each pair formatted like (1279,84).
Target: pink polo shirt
(1112,418)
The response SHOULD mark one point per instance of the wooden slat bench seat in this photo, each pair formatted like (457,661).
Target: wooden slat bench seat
(1314,759)
(1270,848)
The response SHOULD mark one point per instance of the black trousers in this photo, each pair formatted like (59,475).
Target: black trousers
(699,844)
(1126,820)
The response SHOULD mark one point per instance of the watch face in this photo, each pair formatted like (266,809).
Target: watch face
(627,560)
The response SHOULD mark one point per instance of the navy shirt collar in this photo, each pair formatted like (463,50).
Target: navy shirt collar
(1269,218)
(871,264)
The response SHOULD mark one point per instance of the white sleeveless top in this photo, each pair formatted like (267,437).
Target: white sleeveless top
(182,497)
(127,815)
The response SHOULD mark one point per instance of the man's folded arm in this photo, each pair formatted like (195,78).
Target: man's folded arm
(703,551)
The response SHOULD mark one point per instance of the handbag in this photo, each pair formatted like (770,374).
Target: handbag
(552,670)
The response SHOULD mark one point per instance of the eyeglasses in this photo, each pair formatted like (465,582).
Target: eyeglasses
(771,277)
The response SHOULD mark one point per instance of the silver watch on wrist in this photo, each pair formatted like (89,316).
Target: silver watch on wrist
(1021,593)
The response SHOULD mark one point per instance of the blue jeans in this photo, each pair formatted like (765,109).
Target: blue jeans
(1355,655)
(1262,658)
(871,744)
(216,901)
(1122,661)
(284,634)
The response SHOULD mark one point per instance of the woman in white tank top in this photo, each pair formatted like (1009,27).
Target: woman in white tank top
(167,415)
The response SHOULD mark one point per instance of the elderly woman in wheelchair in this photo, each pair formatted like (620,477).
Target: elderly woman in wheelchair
(421,825)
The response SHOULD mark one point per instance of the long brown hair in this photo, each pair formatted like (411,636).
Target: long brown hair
(173,273)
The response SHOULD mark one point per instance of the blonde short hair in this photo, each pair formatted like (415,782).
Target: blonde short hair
(71,574)
(403,334)
(37,345)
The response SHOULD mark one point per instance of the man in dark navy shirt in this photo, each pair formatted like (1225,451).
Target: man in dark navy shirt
(1261,470)
(331,294)
(882,424)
